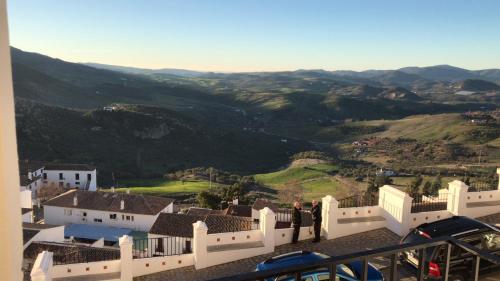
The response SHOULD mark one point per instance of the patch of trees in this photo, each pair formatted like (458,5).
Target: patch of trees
(312,155)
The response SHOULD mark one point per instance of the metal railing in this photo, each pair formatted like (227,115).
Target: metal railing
(478,186)
(391,252)
(422,203)
(161,246)
(361,200)
(83,255)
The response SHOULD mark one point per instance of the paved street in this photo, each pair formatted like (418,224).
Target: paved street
(354,243)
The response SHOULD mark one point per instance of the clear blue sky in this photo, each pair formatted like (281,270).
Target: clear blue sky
(255,35)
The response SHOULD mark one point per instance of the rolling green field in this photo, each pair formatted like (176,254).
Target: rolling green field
(315,180)
(162,187)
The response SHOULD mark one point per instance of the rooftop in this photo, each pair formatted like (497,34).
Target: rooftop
(95,232)
(111,202)
(69,167)
(181,225)
(25,180)
(260,204)
(196,211)
(239,211)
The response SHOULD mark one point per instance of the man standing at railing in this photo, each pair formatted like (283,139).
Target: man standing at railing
(316,217)
(296,221)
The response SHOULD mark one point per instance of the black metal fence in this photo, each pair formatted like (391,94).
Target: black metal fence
(391,253)
(422,203)
(161,246)
(478,186)
(85,255)
(360,200)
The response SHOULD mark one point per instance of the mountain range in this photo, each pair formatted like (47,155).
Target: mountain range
(245,122)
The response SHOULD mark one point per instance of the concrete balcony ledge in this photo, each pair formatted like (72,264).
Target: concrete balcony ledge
(483,204)
(235,246)
(362,219)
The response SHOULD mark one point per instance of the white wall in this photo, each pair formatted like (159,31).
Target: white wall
(152,265)
(25,198)
(69,179)
(54,234)
(284,235)
(344,229)
(55,215)
(234,237)
(82,269)
(28,217)
(11,255)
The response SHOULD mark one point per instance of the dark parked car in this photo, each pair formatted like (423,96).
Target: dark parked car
(473,232)
(345,272)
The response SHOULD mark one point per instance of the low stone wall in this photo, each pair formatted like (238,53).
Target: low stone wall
(84,269)
(147,266)
(234,237)
(284,235)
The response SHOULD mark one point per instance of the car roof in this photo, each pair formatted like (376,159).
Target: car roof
(452,226)
(289,259)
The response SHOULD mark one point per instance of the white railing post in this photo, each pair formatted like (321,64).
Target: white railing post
(126,258)
(329,213)
(498,173)
(396,209)
(457,198)
(200,236)
(267,224)
(42,268)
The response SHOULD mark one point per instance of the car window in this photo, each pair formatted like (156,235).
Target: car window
(347,270)
(491,241)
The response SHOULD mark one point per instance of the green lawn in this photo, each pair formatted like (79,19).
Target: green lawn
(160,187)
(296,174)
(318,189)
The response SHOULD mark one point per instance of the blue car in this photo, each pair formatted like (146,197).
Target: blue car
(345,272)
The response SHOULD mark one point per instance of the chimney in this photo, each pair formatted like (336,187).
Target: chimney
(75,201)
(30,175)
(113,189)
(235,201)
(128,191)
(122,205)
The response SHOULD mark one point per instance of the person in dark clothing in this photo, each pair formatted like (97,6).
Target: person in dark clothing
(316,217)
(296,221)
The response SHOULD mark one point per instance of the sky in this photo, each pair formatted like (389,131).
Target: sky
(261,35)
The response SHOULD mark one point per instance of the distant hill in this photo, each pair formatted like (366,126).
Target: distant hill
(146,71)
(477,85)
(142,141)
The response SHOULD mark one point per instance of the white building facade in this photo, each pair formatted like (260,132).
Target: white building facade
(83,177)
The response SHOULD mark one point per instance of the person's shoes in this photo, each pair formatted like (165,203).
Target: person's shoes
(315,241)
(294,242)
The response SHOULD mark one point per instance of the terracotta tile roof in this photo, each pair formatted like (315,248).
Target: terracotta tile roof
(108,201)
(38,226)
(69,167)
(28,234)
(26,166)
(260,204)
(70,253)
(239,211)
(181,225)
(195,211)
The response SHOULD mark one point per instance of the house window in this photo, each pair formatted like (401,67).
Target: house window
(44,176)
(35,183)
(112,216)
(97,220)
(68,212)
(77,183)
(132,217)
(123,217)
(84,214)
(77,176)
(128,218)
(61,176)
(89,177)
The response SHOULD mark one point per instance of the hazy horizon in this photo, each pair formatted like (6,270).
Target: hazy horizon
(231,36)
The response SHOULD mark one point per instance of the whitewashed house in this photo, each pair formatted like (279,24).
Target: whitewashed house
(81,176)
(138,212)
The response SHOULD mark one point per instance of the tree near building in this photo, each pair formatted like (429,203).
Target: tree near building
(427,189)
(436,184)
(414,187)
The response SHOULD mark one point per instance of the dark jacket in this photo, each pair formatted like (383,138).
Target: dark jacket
(316,213)
(296,216)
